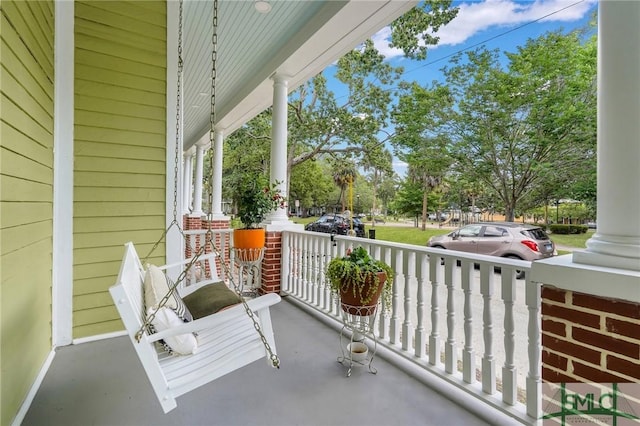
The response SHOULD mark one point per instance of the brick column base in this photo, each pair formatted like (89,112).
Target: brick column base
(588,338)
(191,223)
(272,263)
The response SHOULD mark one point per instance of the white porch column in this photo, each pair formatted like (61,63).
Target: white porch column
(197,186)
(62,274)
(610,266)
(187,181)
(616,242)
(216,202)
(278,170)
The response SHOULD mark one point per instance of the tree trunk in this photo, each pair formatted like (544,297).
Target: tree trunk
(424,210)
(509,214)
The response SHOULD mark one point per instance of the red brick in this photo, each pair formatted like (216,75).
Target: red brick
(552,293)
(591,374)
(606,342)
(555,377)
(624,328)
(626,367)
(570,349)
(614,306)
(576,317)
(554,360)
(554,327)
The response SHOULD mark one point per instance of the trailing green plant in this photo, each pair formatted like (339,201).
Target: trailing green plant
(350,273)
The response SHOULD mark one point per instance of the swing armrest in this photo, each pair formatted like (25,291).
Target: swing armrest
(210,321)
(207,256)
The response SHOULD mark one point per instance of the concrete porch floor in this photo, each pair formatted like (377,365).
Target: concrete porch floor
(102,383)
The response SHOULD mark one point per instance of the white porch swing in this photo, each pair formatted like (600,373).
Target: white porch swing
(212,345)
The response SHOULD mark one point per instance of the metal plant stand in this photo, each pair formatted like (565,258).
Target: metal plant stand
(248,262)
(358,343)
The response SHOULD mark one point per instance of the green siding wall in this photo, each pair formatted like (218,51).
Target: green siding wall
(119,148)
(26,196)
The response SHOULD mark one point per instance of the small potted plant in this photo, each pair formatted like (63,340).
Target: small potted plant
(359,280)
(255,199)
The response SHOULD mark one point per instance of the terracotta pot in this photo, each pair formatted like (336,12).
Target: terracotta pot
(353,304)
(248,243)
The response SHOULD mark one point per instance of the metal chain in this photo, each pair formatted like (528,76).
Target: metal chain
(275,361)
(212,115)
(178,117)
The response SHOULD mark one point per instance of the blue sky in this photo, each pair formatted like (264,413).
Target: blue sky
(496,24)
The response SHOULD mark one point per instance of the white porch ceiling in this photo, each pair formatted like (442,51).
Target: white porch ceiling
(298,39)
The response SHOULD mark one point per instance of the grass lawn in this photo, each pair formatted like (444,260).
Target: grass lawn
(407,234)
(397,234)
(572,240)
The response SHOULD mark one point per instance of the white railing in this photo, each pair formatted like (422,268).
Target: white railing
(454,314)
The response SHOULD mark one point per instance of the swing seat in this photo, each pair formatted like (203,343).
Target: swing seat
(227,340)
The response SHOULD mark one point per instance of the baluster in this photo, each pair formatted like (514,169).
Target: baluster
(420,333)
(384,322)
(396,265)
(308,258)
(326,302)
(450,353)
(298,264)
(488,362)
(311,278)
(299,255)
(409,266)
(509,377)
(308,281)
(435,274)
(468,353)
(317,281)
(534,386)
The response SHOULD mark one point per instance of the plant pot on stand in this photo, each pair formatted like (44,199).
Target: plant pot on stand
(359,280)
(362,300)
(249,243)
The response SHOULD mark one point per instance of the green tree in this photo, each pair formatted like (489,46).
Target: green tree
(512,127)
(426,153)
(344,176)
(311,185)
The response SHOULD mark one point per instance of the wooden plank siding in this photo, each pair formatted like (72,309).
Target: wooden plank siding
(119,148)
(26,196)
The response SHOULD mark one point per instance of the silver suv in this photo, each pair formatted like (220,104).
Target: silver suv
(504,239)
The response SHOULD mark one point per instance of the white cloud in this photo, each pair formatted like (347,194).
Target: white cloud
(381,42)
(400,167)
(479,16)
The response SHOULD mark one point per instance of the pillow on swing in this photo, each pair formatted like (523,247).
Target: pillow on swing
(174,312)
(156,286)
(166,318)
(210,299)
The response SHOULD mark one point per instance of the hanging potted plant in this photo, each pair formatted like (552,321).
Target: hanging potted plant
(359,280)
(255,199)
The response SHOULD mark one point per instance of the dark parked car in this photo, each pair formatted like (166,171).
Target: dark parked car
(504,239)
(336,224)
